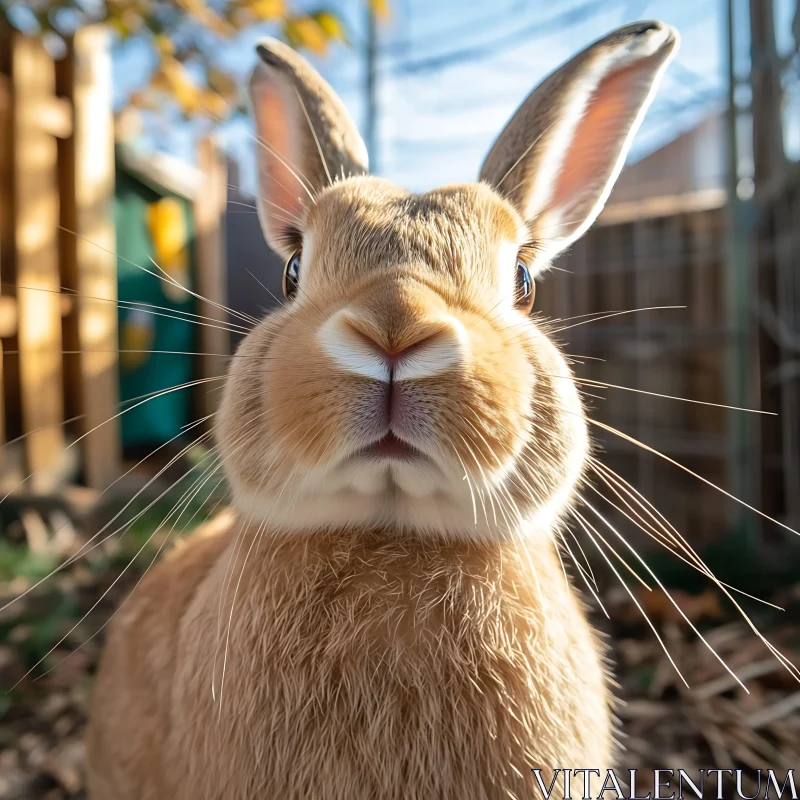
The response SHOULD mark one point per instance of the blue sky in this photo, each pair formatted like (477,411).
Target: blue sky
(439,114)
(438,124)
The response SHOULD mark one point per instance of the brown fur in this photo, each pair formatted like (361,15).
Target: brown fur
(365,628)
(360,666)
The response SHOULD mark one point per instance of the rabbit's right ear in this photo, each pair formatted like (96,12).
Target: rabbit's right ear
(305,140)
(558,157)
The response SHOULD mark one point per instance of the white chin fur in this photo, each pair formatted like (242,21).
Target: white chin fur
(434,514)
(411,496)
(415,479)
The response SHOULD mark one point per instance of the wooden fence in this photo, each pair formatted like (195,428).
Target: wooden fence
(778,310)
(660,252)
(58,317)
(59,390)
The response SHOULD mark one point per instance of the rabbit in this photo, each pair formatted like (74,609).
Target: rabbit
(382,612)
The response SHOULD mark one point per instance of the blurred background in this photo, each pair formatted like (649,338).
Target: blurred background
(131,264)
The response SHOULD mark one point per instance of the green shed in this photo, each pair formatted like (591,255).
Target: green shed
(153,211)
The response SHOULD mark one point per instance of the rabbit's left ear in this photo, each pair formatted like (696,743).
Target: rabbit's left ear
(305,139)
(559,155)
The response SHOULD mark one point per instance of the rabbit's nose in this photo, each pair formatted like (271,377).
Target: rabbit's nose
(396,356)
(360,345)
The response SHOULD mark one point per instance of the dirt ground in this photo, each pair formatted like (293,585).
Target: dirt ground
(664,724)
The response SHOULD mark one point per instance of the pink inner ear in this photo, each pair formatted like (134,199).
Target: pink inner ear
(277,184)
(598,141)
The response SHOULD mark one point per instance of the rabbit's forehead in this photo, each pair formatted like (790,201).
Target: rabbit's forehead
(369,223)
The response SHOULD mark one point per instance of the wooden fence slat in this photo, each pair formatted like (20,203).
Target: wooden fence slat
(209,216)
(36,256)
(87,249)
(6,209)
(785,240)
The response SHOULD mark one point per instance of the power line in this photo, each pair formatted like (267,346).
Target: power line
(696,89)
(402,47)
(371,89)
(518,38)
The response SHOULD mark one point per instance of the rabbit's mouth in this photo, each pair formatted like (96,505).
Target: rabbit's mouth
(392,447)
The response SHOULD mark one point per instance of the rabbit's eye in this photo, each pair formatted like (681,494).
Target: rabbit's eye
(526,289)
(291,276)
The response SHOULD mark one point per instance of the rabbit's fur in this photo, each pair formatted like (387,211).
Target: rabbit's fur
(373,627)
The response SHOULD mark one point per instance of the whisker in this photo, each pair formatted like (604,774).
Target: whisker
(501,487)
(604,385)
(94,606)
(592,590)
(314,134)
(616,554)
(652,511)
(668,595)
(151,396)
(256,539)
(125,527)
(790,667)
(260,359)
(469,485)
(483,475)
(524,154)
(134,305)
(83,549)
(144,269)
(686,469)
(287,215)
(279,300)
(783,660)
(188,384)
(147,569)
(605,313)
(584,525)
(295,173)
(561,562)
(585,558)
(695,561)
(583,357)
(615,314)
(175,282)
(245,441)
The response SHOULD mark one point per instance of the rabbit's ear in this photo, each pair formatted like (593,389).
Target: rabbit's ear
(305,139)
(559,155)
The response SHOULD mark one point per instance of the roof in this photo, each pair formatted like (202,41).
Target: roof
(163,173)
(686,174)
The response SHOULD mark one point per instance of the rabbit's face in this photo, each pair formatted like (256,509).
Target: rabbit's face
(404,383)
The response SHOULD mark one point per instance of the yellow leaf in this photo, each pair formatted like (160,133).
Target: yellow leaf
(380,8)
(218,24)
(164,45)
(222,83)
(193,6)
(207,17)
(306,32)
(214,105)
(266,9)
(175,78)
(118,26)
(331,25)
